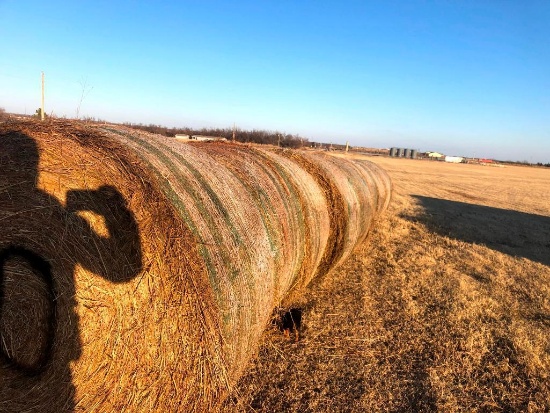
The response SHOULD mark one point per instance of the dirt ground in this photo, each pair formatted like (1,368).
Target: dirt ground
(445,307)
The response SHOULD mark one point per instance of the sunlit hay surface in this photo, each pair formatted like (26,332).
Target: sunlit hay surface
(446,307)
(126,306)
(149,267)
(262,223)
(336,208)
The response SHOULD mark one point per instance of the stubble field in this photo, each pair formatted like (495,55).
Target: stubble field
(445,307)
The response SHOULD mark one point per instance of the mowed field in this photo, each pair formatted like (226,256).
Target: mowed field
(445,307)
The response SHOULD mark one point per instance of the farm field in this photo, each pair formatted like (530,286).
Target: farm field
(445,307)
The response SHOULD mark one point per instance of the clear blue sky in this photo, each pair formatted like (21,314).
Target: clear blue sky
(461,77)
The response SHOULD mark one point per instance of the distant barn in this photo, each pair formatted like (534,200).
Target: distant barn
(435,155)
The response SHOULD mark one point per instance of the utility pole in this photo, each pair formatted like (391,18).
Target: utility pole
(42,105)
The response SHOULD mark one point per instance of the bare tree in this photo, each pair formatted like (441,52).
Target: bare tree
(85,91)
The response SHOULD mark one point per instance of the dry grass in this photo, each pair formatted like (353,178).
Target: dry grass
(446,307)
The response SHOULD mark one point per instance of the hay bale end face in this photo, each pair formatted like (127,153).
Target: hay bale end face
(138,272)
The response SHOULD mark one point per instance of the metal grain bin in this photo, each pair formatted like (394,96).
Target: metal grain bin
(414,154)
(400,152)
(393,151)
(407,153)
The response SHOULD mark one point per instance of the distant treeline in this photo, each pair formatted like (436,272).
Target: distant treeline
(525,163)
(285,140)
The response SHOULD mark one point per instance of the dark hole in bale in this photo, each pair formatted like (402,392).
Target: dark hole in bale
(27,310)
(291,320)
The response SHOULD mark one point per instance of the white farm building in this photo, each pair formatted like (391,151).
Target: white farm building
(454,159)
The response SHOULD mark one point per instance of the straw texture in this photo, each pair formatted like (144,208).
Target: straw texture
(138,272)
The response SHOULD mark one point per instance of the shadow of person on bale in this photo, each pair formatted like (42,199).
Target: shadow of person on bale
(514,233)
(41,243)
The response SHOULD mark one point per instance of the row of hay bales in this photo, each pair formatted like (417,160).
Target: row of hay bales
(163,260)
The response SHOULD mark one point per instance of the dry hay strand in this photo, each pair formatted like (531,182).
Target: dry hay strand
(137,273)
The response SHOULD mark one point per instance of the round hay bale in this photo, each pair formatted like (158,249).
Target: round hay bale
(357,192)
(137,273)
(338,214)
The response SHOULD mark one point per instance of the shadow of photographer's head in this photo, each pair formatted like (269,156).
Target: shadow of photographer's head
(43,246)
